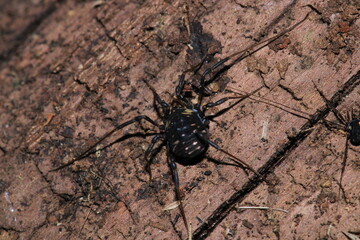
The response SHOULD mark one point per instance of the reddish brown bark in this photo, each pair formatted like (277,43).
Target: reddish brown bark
(74,73)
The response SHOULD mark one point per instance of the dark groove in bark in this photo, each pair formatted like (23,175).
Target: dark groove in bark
(275,160)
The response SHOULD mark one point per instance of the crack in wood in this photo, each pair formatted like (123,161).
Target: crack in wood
(275,160)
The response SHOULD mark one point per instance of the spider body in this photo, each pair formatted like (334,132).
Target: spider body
(353,130)
(181,131)
(185,127)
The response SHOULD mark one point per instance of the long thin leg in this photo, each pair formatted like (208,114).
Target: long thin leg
(180,87)
(222,100)
(173,168)
(88,150)
(222,111)
(3,150)
(154,140)
(283,107)
(350,115)
(243,54)
(181,84)
(232,157)
(218,102)
(163,104)
(344,160)
(337,114)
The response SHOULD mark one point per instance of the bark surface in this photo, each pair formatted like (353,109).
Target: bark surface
(72,70)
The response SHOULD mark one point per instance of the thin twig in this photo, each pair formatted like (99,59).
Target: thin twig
(263,208)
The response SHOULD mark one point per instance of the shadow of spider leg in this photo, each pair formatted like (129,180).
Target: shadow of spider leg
(240,55)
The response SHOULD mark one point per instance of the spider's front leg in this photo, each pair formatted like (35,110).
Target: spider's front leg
(118,127)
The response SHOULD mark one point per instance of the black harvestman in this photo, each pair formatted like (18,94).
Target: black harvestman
(185,126)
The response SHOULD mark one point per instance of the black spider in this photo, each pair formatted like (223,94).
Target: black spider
(185,127)
(350,124)
(184,130)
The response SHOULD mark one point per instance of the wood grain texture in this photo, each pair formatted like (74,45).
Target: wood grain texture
(78,71)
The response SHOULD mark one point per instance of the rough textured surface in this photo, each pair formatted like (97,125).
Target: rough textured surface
(71,70)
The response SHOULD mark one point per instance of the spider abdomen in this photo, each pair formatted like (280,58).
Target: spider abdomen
(353,128)
(182,133)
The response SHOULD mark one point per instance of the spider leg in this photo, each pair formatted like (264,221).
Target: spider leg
(162,103)
(183,101)
(3,150)
(235,159)
(154,140)
(266,101)
(180,87)
(337,114)
(343,121)
(218,102)
(350,115)
(173,168)
(118,127)
(343,166)
(207,72)
(222,111)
